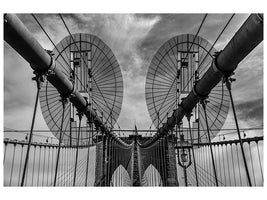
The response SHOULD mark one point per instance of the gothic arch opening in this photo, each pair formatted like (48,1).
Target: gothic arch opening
(120,177)
(151,177)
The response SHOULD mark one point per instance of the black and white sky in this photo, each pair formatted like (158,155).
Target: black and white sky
(134,39)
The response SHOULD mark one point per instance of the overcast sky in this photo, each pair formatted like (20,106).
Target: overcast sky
(134,39)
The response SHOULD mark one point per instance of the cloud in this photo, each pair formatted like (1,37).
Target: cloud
(247,90)
(251,111)
(134,39)
(19,93)
(123,33)
(15,72)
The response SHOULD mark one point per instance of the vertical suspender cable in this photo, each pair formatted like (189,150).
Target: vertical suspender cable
(154,163)
(5,152)
(60,141)
(116,163)
(38,80)
(162,162)
(107,162)
(185,176)
(159,164)
(194,161)
(48,163)
(114,183)
(165,149)
(33,164)
(228,85)
(251,161)
(211,151)
(12,165)
(40,148)
(219,161)
(91,128)
(204,169)
(52,165)
(110,162)
(63,174)
(182,149)
(21,154)
(156,174)
(114,156)
(257,144)
(60,169)
(227,157)
(43,166)
(201,169)
(88,151)
(69,164)
(104,138)
(152,172)
(231,146)
(176,143)
(77,148)
(223,163)
(165,158)
(27,172)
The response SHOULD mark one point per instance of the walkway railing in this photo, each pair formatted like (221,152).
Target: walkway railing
(228,163)
(42,161)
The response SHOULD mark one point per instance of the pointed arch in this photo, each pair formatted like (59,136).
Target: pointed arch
(120,177)
(151,177)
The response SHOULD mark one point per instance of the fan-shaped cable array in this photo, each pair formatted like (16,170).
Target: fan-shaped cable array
(92,67)
(172,73)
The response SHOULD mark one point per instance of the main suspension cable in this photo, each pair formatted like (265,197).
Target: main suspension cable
(222,31)
(61,17)
(201,24)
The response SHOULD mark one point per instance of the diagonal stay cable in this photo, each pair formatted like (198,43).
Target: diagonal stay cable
(210,175)
(49,38)
(201,24)
(61,17)
(99,109)
(226,25)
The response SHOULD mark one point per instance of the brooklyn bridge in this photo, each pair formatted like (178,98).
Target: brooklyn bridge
(80,89)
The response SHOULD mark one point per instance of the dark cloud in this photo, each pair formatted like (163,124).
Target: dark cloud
(251,111)
(249,77)
(172,25)
(134,39)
